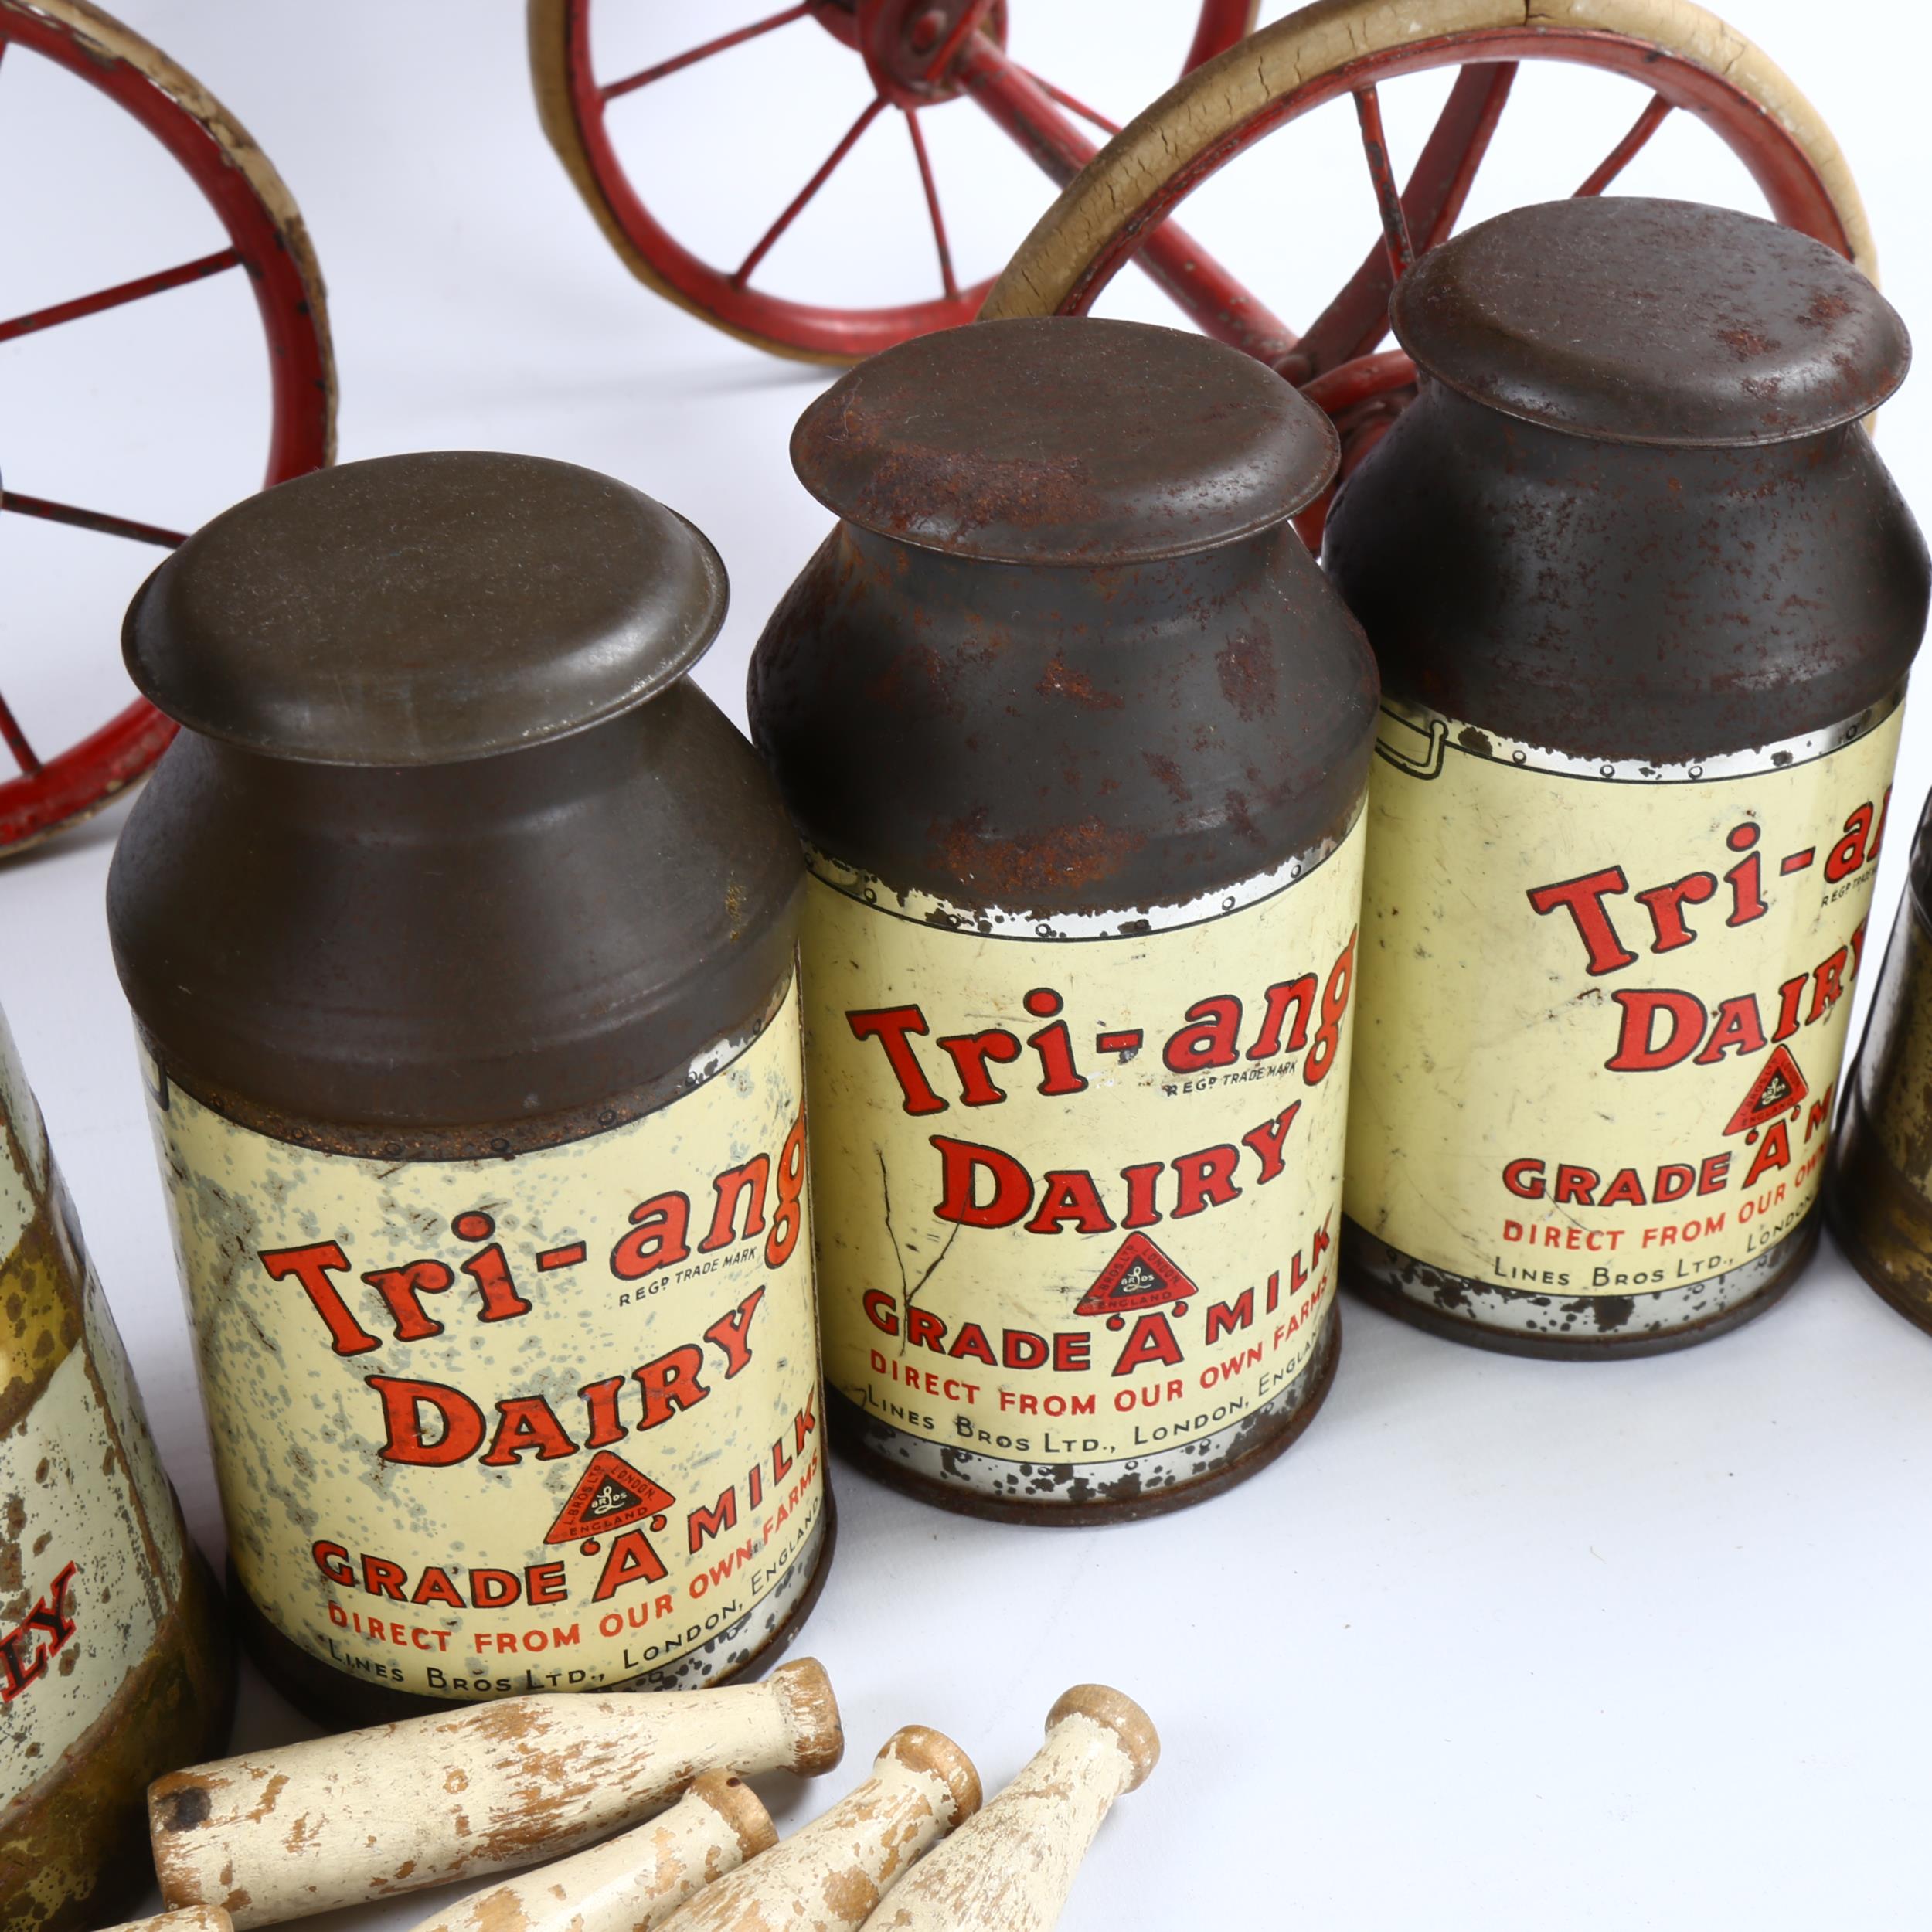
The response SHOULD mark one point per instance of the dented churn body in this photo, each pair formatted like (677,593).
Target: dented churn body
(1878,1192)
(1644,599)
(1076,736)
(460,928)
(115,1666)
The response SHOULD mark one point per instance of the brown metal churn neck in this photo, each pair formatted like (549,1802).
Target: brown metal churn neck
(423,610)
(1063,440)
(1665,322)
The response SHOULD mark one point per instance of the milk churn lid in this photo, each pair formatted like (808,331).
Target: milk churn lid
(1063,439)
(420,609)
(1652,322)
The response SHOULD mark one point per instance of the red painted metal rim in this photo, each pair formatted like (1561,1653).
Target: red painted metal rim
(83,777)
(806,328)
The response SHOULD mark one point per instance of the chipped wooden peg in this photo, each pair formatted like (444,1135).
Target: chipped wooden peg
(829,1876)
(632,1882)
(341,1820)
(1010,1868)
(190,1918)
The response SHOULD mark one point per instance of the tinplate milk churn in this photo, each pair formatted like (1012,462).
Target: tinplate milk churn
(460,928)
(1078,738)
(1879,1193)
(1644,599)
(114,1665)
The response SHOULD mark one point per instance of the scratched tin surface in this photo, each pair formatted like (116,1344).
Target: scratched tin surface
(1879,1192)
(542,1424)
(1644,599)
(461,929)
(112,1667)
(1076,735)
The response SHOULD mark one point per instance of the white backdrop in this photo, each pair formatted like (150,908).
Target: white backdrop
(1500,1643)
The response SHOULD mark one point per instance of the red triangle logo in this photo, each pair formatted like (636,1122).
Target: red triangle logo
(610,1495)
(1139,1276)
(1778,1089)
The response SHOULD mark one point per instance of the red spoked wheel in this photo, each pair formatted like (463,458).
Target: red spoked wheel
(919,56)
(263,241)
(1680,58)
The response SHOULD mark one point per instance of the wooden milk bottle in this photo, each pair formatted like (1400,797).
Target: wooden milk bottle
(460,928)
(113,1664)
(1077,737)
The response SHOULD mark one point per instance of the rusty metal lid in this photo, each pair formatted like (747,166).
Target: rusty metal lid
(1652,322)
(424,609)
(1063,439)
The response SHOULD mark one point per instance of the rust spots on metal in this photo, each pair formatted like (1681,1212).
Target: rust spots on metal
(1745,344)
(1169,774)
(1030,871)
(1054,441)
(1061,680)
(1250,674)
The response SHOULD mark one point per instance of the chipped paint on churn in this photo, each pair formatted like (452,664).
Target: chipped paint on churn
(1879,1192)
(113,1664)
(1645,600)
(460,927)
(1078,738)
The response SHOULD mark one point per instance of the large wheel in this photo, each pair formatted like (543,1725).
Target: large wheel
(578,108)
(1679,57)
(265,240)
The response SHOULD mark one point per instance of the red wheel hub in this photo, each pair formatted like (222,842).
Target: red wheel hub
(911,47)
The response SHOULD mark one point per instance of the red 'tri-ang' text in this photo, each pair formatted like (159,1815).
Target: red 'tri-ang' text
(1664,1027)
(1294,1016)
(432,1424)
(660,1237)
(984,1186)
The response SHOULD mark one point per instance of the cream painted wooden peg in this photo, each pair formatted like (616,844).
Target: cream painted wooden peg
(631,1883)
(190,1918)
(369,1814)
(1010,1868)
(828,1876)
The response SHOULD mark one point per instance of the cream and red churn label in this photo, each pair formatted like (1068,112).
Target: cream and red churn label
(1078,1180)
(548,1422)
(1603,1008)
(91,1561)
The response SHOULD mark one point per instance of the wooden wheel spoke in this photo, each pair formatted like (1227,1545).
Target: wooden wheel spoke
(692,56)
(932,204)
(846,142)
(24,755)
(1072,105)
(1620,157)
(100,520)
(119,294)
(1358,318)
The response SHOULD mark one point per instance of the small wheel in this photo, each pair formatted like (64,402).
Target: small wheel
(266,239)
(575,108)
(1683,57)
